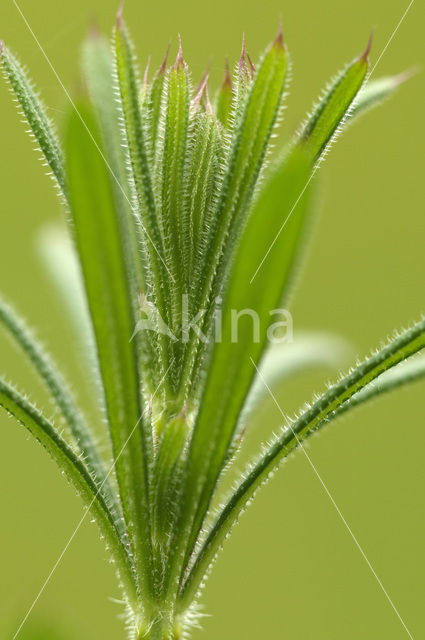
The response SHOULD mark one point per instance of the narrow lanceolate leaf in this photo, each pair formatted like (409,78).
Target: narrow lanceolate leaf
(318,415)
(331,111)
(231,370)
(100,246)
(46,434)
(170,184)
(62,396)
(251,137)
(402,375)
(167,476)
(35,113)
(375,92)
(98,67)
(157,271)
(200,188)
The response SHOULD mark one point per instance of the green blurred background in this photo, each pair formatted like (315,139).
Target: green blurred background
(291,569)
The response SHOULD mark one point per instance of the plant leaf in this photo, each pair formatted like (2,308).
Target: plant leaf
(100,247)
(98,67)
(170,176)
(402,375)
(78,427)
(230,372)
(321,412)
(330,113)
(43,431)
(35,113)
(156,272)
(250,141)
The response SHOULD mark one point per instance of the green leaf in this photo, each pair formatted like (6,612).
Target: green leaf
(156,273)
(35,114)
(250,141)
(231,372)
(321,412)
(43,431)
(170,178)
(402,375)
(330,113)
(200,188)
(100,247)
(98,67)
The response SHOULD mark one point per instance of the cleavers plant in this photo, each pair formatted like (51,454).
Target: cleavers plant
(177,221)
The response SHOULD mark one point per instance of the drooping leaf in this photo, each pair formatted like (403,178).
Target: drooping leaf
(60,392)
(46,434)
(321,412)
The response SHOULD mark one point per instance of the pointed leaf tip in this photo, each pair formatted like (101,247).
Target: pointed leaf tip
(179,63)
(279,41)
(227,82)
(365,55)
(163,66)
(120,14)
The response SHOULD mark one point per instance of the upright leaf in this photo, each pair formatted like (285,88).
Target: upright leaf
(250,141)
(101,250)
(157,272)
(170,188)
(231,372)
